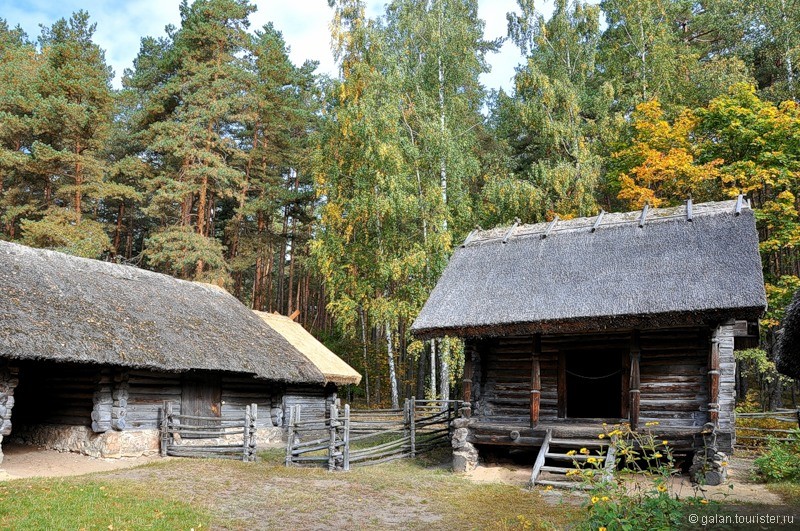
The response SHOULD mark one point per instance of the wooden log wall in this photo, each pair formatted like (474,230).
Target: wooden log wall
(674,388)
(313,400)
(672,375)
(727,378)
(110,400)
(240,391)
(147,391)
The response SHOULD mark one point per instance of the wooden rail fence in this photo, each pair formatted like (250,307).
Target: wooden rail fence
(754,430)
(220,437)
(351,437)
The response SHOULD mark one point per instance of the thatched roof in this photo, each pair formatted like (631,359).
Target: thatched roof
(58,307)
(787,349)
(329,364)
(579,275)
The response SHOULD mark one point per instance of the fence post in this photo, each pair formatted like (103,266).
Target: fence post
(334,422)
(346,449)
(246,442)
(412,416)
(164,429)
(290,436)
(252,443)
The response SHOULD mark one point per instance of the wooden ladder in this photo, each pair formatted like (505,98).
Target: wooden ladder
(557,474)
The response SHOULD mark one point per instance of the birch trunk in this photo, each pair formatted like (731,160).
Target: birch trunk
(392,373)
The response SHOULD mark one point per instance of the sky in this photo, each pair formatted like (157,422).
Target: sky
(304,24)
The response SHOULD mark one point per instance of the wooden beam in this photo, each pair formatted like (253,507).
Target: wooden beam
(644,215)
(562,385)
(294,315)
(599,220)
(713,379)
(550,227)
(536,380)
(635,380)
(511,230)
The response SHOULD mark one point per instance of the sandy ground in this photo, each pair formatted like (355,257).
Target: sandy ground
(28,461)
(740,487)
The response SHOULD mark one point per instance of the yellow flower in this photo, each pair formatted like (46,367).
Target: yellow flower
(601,528)
(704,502)
(573,472)
(657,455)
(662,488)
(664,442)
(724,463)
(591,460)
(595,499)
(584,451)
(605,498)
(601,436)
(572,452)
(549,487)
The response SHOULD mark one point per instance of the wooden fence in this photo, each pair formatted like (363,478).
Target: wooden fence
(754,430)
(367,437)
(221,437)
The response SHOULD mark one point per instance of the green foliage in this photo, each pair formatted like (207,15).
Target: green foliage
(60,230)
(781,462)
(641,494)
(179,249)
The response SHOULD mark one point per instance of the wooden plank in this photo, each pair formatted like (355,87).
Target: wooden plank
(539,463)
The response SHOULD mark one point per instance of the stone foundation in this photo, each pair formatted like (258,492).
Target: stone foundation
(83,440)
(127,443)
(709,466)
(465,455)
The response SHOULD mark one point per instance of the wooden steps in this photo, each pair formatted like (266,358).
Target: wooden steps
(558,457)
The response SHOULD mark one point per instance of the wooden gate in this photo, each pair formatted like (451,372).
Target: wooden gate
(201,436)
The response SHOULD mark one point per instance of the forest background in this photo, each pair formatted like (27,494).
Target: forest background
(341,198)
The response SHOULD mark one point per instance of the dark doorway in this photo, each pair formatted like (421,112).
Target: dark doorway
(201,396)
(594,384)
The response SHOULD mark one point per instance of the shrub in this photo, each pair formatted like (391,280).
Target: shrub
(648,502)
(781,462)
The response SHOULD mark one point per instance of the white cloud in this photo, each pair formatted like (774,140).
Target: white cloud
(304,24)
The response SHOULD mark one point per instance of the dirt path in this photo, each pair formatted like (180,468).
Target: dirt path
(28,461)
(740,487)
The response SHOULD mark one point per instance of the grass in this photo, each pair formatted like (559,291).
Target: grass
(199,493)
(81,503)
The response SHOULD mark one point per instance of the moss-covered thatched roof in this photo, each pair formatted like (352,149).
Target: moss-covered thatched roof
(59,307)
(787,349)
(671,268)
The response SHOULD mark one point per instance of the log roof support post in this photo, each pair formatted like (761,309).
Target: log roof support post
(633,388)
(466,382)
(536,380)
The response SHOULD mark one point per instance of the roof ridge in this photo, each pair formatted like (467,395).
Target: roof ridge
(688,211)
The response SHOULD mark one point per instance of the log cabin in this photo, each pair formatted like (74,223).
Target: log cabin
(90,350)
(618,318)
(787,348)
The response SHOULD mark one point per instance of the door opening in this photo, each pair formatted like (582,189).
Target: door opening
(594,384)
